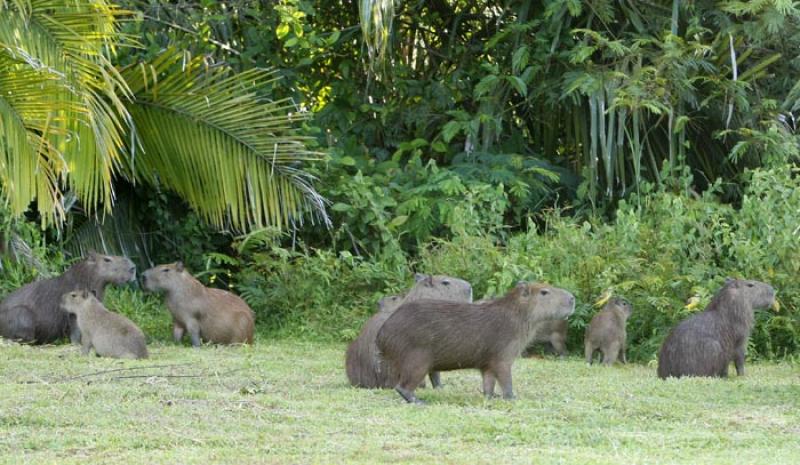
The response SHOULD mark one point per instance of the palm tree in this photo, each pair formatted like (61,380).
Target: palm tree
(71,122)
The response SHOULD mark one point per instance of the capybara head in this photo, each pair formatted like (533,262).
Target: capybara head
(111,268)
(621,304)
(543,300)
(754,293)
(164,277)
(440,287)
(75,301)
(390,303)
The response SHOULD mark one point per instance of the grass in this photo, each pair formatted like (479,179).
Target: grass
(289,402)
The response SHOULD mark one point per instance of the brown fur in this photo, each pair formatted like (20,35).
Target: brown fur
(553,332)
(363,363)
(31,313)
(706,343)
(606,332)
(430,335)
(207,314)
(108,333)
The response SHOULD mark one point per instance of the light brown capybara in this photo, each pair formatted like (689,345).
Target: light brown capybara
(108,333)
(31,314)
(706,343)
(607,333)
(434,335)
(363,363)
(207,314)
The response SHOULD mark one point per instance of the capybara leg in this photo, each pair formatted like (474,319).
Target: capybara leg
(86,346)
(622,353)
(18,324)
(193,328)
(488,383)
(413,369)
(436,379)
(503,373)
(589,353)
(558,345)
(177,331)
(610,353)
(738,360)
(74,330)
(408,395)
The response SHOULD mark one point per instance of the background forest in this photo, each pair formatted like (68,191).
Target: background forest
(311,155)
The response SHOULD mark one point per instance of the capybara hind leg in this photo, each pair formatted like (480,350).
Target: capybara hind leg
(503,373)
(622,353)
(610,353)
(18,324)
(413,369)
(738,360)
(488,383)
(589,352)
(436,379)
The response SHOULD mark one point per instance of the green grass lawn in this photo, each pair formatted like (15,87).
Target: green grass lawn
(289,402)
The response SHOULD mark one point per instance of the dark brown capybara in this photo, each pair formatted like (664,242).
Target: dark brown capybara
(108,333)
(434,335)
(706,343)
(606,332)
(31,313)
(206,313)
(364,365)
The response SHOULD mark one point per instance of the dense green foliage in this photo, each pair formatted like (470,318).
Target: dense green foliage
(644,148)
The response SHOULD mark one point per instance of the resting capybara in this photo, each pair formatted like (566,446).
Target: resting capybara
(31,313)
(363,363)
(433,335)
(109,333)
(606,332)
(206,313)
(705,343)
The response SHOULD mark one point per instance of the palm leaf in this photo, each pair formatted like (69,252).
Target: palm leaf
(211,136)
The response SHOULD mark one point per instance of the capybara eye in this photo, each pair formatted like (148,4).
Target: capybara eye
(446,283)
(544,292)
(107,260)
(165,270)
(749,284)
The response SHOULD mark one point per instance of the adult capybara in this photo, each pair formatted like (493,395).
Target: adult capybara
(705,343)
(108,333)
(434,335)
(363,363)
(206,313)
(31,313)
(606,332)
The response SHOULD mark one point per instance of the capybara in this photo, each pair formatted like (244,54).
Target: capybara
(434,335)
(606,332)
(206,313)
(32,314)
(553,332)
(108,333)
(705,343)
(363,363)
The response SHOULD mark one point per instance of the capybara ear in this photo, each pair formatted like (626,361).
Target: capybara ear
(94,293)
(179,266)
(92,256)
(521,283)
(419,277)
(732,282)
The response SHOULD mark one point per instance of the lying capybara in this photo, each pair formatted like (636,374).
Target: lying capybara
(31,313)
(108,333)
(606,332)
(434,335)
(206,313)
(705,343)
(363,363)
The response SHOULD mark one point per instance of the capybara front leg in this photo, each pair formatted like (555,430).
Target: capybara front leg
(503,373)
(738,360)
(177,331)
(74,330)
(86,346)
(622,353)
(559,346)
(488,383)
(194,333)
(436,379)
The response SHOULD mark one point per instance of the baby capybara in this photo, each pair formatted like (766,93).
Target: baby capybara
(553,332)
(606,332)
(705,343)
(206,313)
(32,314)
(434,335)
(108,333)
(364,365)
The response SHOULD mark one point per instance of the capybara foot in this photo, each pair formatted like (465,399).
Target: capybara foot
(408,396)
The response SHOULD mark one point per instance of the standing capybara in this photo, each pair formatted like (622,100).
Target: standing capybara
(433,335)
(705,343)
(606,332)
(206,313)
(32,313)
(364,365)
(108,333)
(553,332)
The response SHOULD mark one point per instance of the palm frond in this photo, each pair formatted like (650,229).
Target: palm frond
(212,137)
